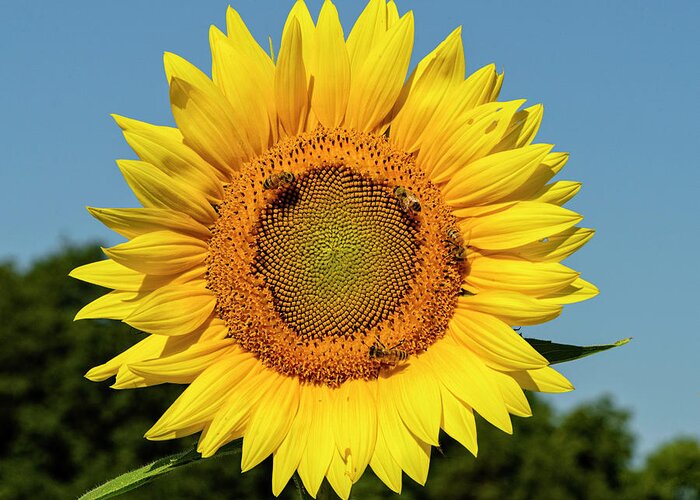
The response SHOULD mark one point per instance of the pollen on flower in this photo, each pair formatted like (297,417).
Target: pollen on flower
(314,258)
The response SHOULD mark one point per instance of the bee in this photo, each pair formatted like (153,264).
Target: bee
(454,236)
(387,355)
(281,180)
(456,242)
(458,253)
(465,293)
(409,201)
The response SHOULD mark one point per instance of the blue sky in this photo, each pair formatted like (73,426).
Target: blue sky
(619,81)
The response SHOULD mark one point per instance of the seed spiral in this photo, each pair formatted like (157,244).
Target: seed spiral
(337,252)
(310,273)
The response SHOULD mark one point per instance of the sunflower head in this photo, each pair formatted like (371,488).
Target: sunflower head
(340,257)
(333,253)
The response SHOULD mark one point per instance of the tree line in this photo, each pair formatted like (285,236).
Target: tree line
(64,435)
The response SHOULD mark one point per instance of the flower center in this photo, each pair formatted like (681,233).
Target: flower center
(337,252)
(330,259)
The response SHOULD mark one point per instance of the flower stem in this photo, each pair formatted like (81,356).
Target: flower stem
(322,494)
(303,494)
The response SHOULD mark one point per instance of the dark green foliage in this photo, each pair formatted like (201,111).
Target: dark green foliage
(63,435)
(672,472)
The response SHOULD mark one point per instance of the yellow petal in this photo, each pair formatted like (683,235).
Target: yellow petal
(239,403)
(416,396)
(270,422)
(178,67)
(174,309)
(151,347)
(557,193)
(206,121)
(131,125)
(478,89)
(494,341)
(578,291)
(321,444)
(458,421)
(126,379)
(511,307)
(392,14)
(531,278)
(369,28)
(214,329)
(480,211)
(291,92)
(512,395)
(459,101)
(110,274)
(556,161)
(556,247)
(247,85)
(495,92)
(520,224)
(384,465)
(445,63)
(377,83)
(180,432)
(132,222)
(542,379)
(435,75)
(300,13)
(170,138)
(155,189)
(177,161)
(184,366)
(469,137)
(288,454)
(332,69)
(204,116)
(548,168)
(522,129)
(494,177)
(114,305)
(355,425)
(159,252)
(201,400)
(263,67)
(411,453)
(465,376)
(180,361)
(240,36)
(337,477)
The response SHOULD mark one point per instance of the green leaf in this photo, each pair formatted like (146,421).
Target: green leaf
(147,473)
(559,353)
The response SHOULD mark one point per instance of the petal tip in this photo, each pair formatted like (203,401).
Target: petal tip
(121,121)
(92,376)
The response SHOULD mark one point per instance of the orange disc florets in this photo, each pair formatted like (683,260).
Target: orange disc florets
(330,250)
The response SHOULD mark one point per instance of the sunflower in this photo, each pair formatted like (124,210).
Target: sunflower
(332,256)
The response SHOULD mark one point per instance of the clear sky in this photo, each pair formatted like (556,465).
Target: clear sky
(619,81)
